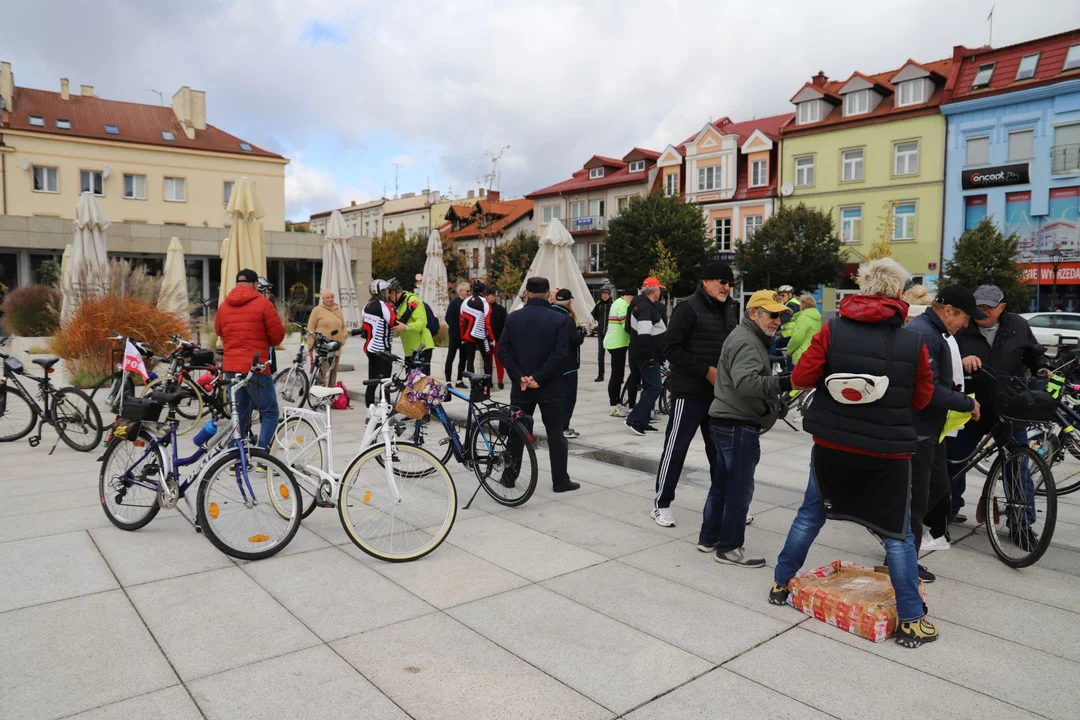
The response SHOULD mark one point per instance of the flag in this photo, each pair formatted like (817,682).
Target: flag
(133,361)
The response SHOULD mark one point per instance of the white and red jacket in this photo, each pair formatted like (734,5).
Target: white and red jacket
(379,319)
(475,322)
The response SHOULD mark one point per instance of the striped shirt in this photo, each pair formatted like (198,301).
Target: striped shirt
(379,319)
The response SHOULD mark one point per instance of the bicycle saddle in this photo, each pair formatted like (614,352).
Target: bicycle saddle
(45,362)
(477,377)
(167,398)
(321,392)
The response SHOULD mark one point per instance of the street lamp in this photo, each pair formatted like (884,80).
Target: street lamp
(1055,260)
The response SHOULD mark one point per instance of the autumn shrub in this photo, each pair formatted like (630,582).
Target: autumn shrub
(32,310)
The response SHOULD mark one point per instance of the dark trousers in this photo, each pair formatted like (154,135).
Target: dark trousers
(651,384)
(688,416)
(600,355)
(929,483)
(454,348)
(554,418)
(633,381)
(738,450)
(377,368)
(569,383)
(618,368)
(469,349)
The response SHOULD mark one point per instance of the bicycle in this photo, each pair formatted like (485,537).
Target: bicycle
(187,358)
(396,500)
(243,519)
(662,401)
(68,409)
(1056,441)
(292,383)
(109,393)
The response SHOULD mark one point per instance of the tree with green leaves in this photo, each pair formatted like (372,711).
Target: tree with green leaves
(797,246)
(398,255)
(985,256)
(509,261)
(633,238)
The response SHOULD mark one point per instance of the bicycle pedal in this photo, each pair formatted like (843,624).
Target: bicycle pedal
(34,441)
(326,504)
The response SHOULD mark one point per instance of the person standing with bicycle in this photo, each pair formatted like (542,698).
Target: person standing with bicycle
(379,320)
(326,319)
(248,325)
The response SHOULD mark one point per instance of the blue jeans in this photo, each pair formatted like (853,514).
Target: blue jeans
(258,392)
(650,391)
(902,559)
(738,449)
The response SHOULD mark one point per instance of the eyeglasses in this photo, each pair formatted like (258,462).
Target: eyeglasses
(774,316)
(725,283)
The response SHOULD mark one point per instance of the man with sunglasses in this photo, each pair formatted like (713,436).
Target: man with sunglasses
(692,347)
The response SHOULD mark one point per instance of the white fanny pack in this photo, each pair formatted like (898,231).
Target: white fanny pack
(857,389)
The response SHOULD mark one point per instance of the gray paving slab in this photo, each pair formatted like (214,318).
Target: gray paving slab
(1061,559)
(853,682)
(45,501)
(45,569)
(837,534)
(699,623)
(94,647)
(172,703)
(167,547)
(436,668)
(357,598)
(76,477)
(216,621)
(606,536)
(310,684)
(634,509)
(723,694)
(514,547)
(605,660)
(52,522)
(980,570)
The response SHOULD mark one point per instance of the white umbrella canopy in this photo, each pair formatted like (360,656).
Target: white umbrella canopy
(89,268)
(246,247)
(65,282)
(174,296)
(433,291)
(337,270)
(555,261)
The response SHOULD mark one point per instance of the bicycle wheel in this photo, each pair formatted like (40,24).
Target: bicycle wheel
(76,419)
(662,403)
(291,385)
(1019,522)
(238,507)
(17,416)
(188,410)
(397,518)
(127,483)
(430,434)
(107,396)
(297,444)
(504,458)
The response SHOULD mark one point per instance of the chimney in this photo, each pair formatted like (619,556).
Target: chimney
(190,109)
(471,195)
(352,203)
(7,86)
(65,90)
(483,192)
(494,196)
(87,90)
(820,79)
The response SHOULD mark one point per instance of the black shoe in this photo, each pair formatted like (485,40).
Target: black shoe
(508,479)
(637,429)
(500,386)
(461,384)
(651,428)
(1025,539)
(599,379)
(778,594)
(568,487)
(925,575)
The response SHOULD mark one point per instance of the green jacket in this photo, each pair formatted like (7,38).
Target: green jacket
(411,312)
(616,336)
(788,325)
(807,325)
(746,390)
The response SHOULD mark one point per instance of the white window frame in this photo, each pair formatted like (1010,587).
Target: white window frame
(1025,73)
(596,257)
(549,213)
(904,225)
(63,124)
(172,183)
(804,172)
(722,234)
(581,255)
(134,186)
(596,208)
(906,162)
(595,173)
(984,76)
(809,112)
(90,176)
(848,234)
(967,151)
(710,178)
(637,166)
(1072,57)
(852,165)
(911,92)
(671,184)
(226,191)
(1030,154)
(577,209)
(857,103)
(37,121)
(45,176)
(759,179)
(751,224)
(622,203)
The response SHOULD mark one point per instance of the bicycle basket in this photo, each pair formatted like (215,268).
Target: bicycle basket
(1024,400)
(140,409)
(421,395)
(201,357)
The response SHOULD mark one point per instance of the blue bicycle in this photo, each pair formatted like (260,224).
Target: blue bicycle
(248,500)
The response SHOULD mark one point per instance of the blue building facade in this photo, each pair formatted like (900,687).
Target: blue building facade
(1015,157)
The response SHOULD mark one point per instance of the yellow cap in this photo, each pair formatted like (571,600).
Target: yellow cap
(766,300)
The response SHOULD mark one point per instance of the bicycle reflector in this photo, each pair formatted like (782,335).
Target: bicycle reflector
(214,511)
(516,414)
(258,538)
(284,492)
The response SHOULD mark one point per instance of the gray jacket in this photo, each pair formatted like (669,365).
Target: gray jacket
(746,390)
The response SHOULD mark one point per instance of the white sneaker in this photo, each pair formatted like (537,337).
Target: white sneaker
(933,543)
(619,411)
(749,519)
(663,517)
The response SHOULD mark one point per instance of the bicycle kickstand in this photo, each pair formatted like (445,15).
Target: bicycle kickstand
(54,444)
(468,504)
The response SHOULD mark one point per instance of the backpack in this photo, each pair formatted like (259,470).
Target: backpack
(341,402)
(432,321)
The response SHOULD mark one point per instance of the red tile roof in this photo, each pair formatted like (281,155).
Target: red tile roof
(581,181)
(137,123)
(885,109)
(770,126)
(646,154)
(514,210)
(1052,51)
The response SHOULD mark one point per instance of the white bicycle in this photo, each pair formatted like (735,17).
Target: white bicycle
(396,500)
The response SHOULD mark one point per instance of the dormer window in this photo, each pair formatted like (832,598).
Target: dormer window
(911,92)
(62,124)
(857,103)
(167,135)
(637,166)
(1072,58)
(112,130)
(982,78)
(37,121)
(246,147)
(809,112)
(1028,65)
(595,173)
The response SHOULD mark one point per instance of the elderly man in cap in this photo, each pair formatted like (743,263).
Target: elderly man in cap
(1004,343)
(692,346)
(647,327)
(534,349)
(569,381)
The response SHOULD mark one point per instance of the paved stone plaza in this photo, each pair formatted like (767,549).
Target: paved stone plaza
(573,606)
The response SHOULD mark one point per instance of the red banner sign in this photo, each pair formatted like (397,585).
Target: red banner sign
(1067,273)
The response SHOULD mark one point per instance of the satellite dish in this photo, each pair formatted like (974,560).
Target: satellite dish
(26,163)
(105,173)
(786,189)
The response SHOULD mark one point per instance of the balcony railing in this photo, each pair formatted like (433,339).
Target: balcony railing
(1065,158)
(589,223)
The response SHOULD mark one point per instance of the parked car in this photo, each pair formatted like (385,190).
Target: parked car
(1054,329)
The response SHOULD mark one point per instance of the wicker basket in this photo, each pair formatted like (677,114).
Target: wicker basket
(415,407)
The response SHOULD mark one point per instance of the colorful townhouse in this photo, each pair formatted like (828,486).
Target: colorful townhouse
(730,170)
(601,190)
(1013,154)
(870,150)
(477,229)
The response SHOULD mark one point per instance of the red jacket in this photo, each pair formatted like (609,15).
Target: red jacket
(865,308)
(247,323)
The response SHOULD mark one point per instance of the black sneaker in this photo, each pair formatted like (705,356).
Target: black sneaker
(1025,539)
(500,386)
(461,384)
(925,575)
(915,633)
(599,379)
(568,487)
(651,428)
(636,429)
(778,594)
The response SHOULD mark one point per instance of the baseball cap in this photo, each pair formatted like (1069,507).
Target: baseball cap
(766,300)
(564,294)
(651,282)
(537,285)
(265,284)
(962,299)
(786,288)
(989,295)
(247,275)
(717,270)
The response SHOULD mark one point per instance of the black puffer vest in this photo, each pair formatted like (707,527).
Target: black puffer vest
(884,426)
(713,322)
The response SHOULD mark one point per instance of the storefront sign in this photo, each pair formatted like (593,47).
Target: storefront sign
(1068,273)
(996,176)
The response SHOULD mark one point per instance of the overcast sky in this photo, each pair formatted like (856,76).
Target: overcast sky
(344,88)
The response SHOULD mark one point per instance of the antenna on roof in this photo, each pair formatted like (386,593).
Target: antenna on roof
(397,166)
(160,95)
(990,17)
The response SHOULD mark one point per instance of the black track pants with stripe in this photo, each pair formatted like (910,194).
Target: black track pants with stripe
(686,417)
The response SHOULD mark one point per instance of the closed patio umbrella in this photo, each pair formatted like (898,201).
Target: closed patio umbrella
(174,296)
(246,246)
(337,270)
(65,280)
(433,291)
(555,261)
(89,269)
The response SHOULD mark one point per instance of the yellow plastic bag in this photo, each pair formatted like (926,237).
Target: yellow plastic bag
(954,421)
